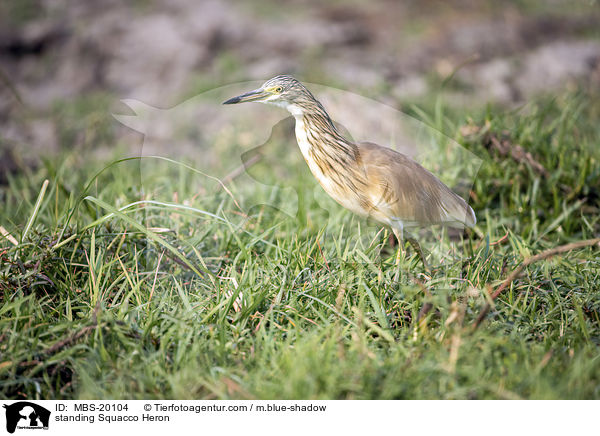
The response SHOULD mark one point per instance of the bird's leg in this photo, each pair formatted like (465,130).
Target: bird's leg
(399,253)
(398,234)
(415,244)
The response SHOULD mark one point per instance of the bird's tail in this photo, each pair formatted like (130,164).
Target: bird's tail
(459,212)
(470,218)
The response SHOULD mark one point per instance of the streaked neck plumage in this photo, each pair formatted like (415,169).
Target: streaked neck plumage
(317,134)
(328,154)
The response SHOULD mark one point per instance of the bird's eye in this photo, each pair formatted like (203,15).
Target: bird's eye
(279,89)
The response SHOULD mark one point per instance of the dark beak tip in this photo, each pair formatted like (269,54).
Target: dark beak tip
(233,100)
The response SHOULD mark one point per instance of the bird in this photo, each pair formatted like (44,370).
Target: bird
(366,178)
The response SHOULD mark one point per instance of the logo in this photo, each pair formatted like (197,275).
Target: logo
(26,415)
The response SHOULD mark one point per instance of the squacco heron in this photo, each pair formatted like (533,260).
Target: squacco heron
(366,178)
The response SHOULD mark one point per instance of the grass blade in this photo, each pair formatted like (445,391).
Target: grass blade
(149,234)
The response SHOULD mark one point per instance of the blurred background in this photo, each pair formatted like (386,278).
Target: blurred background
(65,65)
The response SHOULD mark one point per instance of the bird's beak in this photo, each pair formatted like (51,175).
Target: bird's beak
(257,94)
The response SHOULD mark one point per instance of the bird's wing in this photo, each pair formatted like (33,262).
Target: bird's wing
(403,189)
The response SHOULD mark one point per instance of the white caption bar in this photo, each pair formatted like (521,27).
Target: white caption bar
(297,417)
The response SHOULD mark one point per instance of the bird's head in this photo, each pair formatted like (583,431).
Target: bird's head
(283,91)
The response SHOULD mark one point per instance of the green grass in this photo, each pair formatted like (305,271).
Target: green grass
(142,303)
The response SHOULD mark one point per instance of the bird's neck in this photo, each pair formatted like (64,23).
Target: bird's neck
(334,161)
(317,135)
